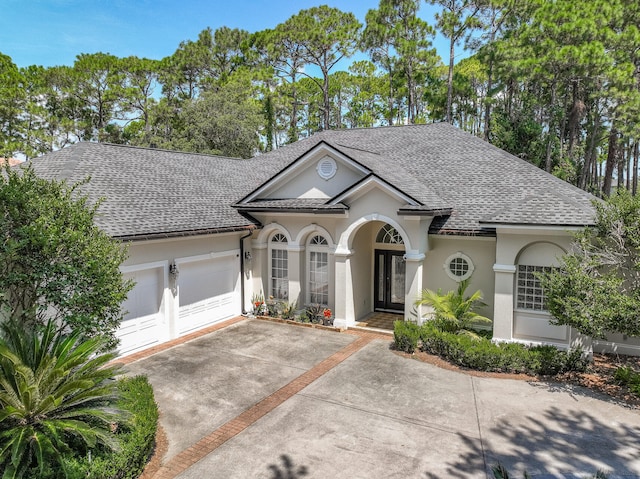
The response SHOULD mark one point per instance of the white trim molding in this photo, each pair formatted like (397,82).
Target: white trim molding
(504,268)
(466,259)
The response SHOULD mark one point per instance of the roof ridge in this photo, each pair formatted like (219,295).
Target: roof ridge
(382,127)
(164,150)
(356,149)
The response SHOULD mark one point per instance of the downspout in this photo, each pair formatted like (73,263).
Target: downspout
(244,311)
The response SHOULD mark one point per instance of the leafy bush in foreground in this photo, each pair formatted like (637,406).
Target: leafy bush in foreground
(56,398)
(135,432)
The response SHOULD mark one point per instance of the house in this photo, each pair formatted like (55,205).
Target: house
(359,220)
(10,161)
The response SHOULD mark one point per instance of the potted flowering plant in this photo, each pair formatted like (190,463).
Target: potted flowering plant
(257,304)
(327,319)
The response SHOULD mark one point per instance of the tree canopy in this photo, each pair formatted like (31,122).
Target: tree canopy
(55,263)
(596,289)
(556,83)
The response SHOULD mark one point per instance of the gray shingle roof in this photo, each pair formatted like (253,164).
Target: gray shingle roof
(152,192)
(444,167)
(158,192)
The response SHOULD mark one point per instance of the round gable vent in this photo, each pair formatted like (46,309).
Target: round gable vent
(327,168)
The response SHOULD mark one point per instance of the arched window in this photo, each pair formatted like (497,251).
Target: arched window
(279,284)
(535,259)
(318,271)
(389,235)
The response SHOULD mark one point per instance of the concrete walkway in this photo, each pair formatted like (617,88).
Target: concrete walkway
(266,400)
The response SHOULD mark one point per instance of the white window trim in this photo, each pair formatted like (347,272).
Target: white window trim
(517,293)
(318,249)
(447,267)
(281,247)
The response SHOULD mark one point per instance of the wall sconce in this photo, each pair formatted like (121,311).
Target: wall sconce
(173,271)
(247,255)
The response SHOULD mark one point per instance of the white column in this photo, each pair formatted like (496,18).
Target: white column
(413,286)
(503,301)
(295,255)
(344,313)
(259,269)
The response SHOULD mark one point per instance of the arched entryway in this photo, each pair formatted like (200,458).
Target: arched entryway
(374,271)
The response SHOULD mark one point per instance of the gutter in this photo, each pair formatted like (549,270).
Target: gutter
(242,293)
(184,233)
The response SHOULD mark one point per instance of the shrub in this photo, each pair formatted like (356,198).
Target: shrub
(56,397)
(483,355)
(406,336)
(630,378)
(136,436)
(454,311)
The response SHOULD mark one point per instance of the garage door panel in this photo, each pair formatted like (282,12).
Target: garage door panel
(208,292)
(142,323)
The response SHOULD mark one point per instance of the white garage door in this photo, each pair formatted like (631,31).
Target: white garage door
(208,291)
(142,324)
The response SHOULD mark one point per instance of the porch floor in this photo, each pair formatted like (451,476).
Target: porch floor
(379,320)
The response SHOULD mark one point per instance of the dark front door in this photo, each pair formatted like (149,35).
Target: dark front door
(389,280)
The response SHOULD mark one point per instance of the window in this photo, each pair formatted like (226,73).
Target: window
(318,284)
(530,293)
(389,235)
(279,267)
(458,267)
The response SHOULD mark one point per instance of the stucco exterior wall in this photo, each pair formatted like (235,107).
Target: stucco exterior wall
(307,183)
(362,269)
(482,252)
(535,247)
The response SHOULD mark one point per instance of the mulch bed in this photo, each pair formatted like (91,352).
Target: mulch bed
(598,377)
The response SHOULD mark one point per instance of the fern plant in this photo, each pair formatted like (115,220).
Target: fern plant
(454,311)
(56,397)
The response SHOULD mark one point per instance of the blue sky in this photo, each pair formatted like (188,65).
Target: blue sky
(53,32)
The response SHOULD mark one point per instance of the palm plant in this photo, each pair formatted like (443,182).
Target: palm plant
(56,398)
(454,312)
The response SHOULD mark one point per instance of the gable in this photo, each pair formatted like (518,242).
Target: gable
(321,173)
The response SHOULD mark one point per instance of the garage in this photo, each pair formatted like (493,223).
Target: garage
(144,321)
(208,290)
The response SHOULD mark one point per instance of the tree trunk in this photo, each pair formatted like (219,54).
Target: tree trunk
(629,156)
(611,161)
(590,154)
(326,114)
(636,153)
(547,162)
(390,100)
(411,99)
(293,120)
(450,78)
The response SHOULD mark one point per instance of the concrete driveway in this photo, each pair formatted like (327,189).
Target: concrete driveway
(265,400)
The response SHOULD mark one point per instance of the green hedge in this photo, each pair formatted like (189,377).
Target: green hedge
(483,355)
(406,336)
(136,435)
